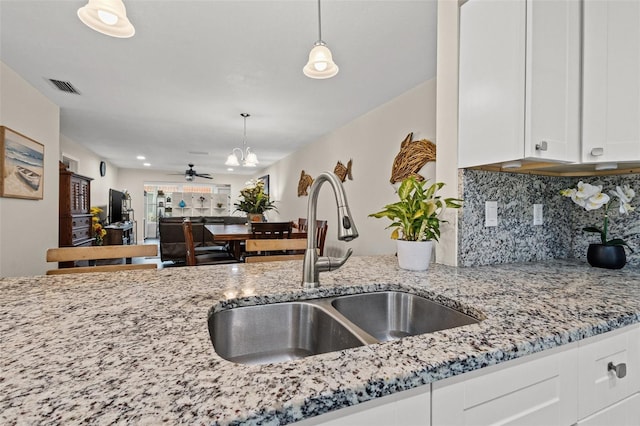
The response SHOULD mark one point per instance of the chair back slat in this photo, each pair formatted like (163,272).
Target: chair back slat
(285,249)
(75,254)
(188,240)
(68,254)
(271,230)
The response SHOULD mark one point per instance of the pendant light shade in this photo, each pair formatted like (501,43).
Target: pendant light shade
(244,155)
(320,63)
(107,17)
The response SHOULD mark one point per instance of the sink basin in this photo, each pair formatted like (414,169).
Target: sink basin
(286,331)
(278,332)
(392,315)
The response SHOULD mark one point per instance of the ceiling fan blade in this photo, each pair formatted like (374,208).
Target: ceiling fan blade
(205,176)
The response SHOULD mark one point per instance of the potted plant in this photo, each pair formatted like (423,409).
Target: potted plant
(253,201)
(609,253)
(416,220)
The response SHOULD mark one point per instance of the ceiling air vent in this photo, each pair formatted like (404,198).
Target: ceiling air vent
(198,153)
(64,86)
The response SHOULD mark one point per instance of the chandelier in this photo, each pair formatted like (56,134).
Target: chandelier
(242,156)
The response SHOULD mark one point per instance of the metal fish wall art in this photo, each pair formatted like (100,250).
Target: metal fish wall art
(343,171)
(304,183)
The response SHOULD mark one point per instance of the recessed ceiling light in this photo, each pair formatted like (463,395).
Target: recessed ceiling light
(230,169)
(146,164)
(141,157)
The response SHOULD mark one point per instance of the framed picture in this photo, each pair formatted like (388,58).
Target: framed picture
(265,179)
(21,166)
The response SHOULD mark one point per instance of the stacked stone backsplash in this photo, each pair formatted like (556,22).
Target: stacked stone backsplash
(515,239)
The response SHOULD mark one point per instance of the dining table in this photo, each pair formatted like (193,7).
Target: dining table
(236,234)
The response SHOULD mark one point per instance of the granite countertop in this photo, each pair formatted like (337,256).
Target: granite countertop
(133,346)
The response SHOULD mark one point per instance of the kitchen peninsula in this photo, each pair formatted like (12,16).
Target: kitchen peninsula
(133,346)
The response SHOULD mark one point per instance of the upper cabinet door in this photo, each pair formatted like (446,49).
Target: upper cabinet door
(519,81)
(611,81)
(552,125)
(491,81)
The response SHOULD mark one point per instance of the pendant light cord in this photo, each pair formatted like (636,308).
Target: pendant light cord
(319,23)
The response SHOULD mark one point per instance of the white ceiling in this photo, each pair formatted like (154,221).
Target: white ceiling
(174,91)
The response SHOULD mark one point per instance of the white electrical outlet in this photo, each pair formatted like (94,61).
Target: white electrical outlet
(490,213)
(537,214)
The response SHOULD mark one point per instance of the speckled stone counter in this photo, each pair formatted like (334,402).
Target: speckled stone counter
(133,347)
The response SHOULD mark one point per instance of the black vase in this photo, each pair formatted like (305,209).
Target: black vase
(610,257)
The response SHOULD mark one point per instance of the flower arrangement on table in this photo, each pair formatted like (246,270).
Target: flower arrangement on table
(253,199)
(98,231)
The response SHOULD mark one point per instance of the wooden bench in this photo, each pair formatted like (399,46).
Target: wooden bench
(73,254)
(270,245)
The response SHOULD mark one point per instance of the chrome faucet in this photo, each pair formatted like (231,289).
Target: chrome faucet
(313,264)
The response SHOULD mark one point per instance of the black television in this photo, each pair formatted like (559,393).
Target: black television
(115,206)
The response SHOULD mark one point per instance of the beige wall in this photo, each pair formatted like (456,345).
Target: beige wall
(447,124)
(29,227)
(89,165)
(372,141)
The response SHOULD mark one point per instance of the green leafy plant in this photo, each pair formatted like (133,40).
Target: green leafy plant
(253,198)
(591,197)
(416,217)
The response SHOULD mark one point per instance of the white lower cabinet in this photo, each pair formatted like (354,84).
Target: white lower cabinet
(594,382)
(623,413)
(537,390)
(408,408)
(609,375)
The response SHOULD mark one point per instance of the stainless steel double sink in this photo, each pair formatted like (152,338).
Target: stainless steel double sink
(286,331)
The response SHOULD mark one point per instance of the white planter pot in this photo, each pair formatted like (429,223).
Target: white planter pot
(414,255)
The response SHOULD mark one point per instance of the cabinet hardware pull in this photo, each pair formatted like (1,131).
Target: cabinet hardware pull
(542,146)
(620,369)
(596,152)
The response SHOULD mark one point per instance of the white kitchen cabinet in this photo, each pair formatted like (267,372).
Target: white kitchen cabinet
(611,81)
(623,413)
(537,390)
(600,387)
(408,408)
(519,81)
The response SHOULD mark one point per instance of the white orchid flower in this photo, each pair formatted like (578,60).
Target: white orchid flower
(625,195)
(596,201)
(586,190)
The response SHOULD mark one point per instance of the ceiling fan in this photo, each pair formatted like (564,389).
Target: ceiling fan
(190,174)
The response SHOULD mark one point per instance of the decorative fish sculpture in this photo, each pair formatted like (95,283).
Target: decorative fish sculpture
(343,172)
(304,183)
(412,157)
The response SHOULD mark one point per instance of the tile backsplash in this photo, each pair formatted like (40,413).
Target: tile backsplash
(516,239)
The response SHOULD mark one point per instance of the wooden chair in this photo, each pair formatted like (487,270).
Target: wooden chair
(321,234)
(193,258)
(287,249)
(75,254)
(271,230)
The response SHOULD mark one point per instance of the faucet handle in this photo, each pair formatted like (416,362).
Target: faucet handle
(326,263)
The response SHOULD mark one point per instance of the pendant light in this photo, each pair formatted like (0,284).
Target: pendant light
(107,17)
(320,63)
(244,155)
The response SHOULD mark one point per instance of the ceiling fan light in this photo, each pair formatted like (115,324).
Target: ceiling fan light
(188,178)
(232,161)
(108,17)
(320,63)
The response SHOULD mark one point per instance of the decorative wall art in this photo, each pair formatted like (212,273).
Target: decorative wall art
(412,157)
(343,171)
(265,179)
(304,183)
(21,166)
